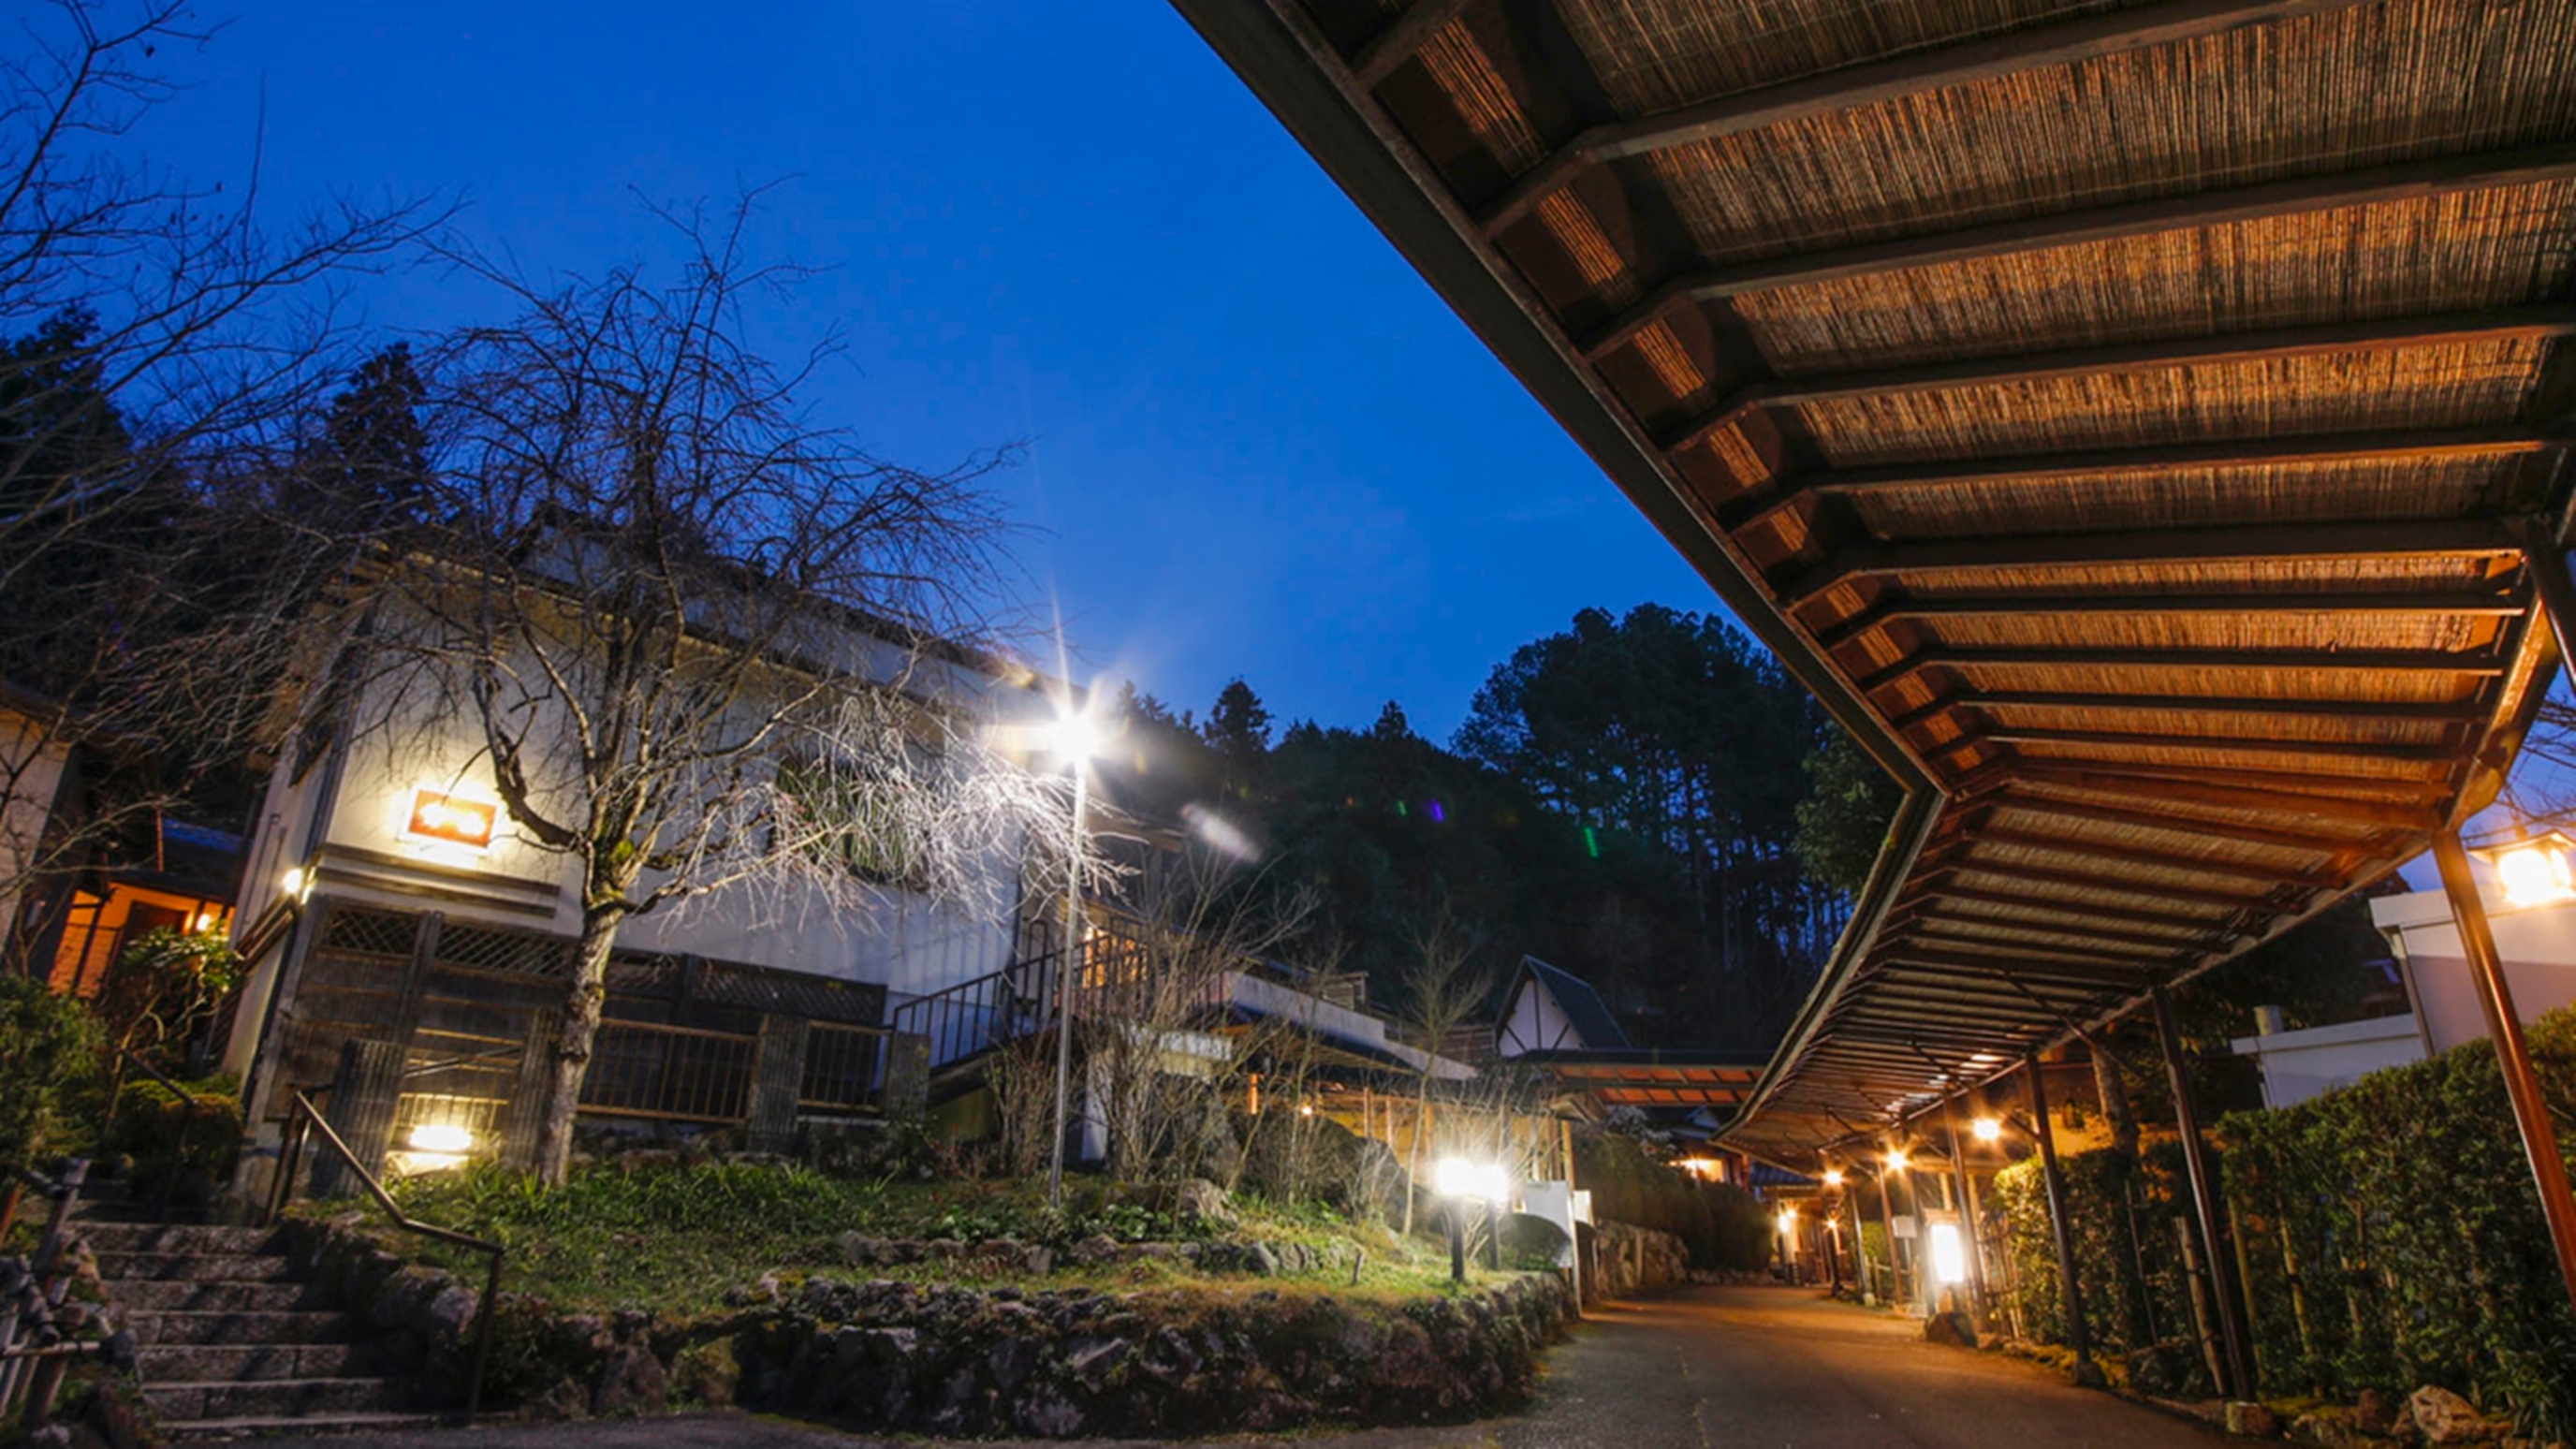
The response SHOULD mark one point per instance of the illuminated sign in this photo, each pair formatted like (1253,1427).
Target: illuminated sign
(445,819)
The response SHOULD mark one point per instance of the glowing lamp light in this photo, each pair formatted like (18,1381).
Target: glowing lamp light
(1896,1159)
(440,818)
(1988,1129)
(1457,1177)
(2533,871)
(1833,1177)
(1949,1255)
(1788,1221)
(445,1138)
(295,883)
(1306,1109)
(1074,739)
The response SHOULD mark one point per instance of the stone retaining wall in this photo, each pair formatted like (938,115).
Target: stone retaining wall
(882,1354)
(1628,1260)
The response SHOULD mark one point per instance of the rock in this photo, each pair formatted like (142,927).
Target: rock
(858,1249)
(1092,1360)
(2252,1420)
(2086,1374)
(449,1311)
(2443,1417)
(765,1290)
(2333,1428)
(2375,1414)
(1199,1199)
(564,1401)
(1011,1361)
(1952,1329)
(1095,1250)
(631,1381)
(1048,1414)
(706,1374)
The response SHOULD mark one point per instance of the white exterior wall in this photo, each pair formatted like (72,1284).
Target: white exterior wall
(342,824)
(2538,946)
(2298,1065)
(31,772)
(1535,1023)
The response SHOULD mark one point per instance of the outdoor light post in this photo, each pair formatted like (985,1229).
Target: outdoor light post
(1074,742)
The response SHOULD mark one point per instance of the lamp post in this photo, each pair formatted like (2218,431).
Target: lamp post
(1457,1181)
(1075,740)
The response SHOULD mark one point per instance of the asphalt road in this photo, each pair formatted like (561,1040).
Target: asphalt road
(1752,1367)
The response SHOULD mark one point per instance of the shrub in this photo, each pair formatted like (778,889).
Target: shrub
(49,1055)
(2389,1230)
(1723,1227)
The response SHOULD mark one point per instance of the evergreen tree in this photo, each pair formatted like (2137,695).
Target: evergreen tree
(1238,725)
(370,468)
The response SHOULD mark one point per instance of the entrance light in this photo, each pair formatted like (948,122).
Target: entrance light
(2534,869)
(1896,1159)
(1988,1129)
(1788,1221)
(1833,1177)
(1949,1257)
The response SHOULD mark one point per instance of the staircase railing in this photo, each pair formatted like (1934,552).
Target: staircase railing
(974,1016)
(303,1120)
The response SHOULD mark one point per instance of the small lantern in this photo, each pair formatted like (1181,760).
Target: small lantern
(2533,869)
(440,818)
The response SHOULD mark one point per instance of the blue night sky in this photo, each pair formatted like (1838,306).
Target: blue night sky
(1258,444)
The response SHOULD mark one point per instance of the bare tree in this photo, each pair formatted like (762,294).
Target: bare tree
(704,643)
(1443,990)
(1153,987)
(159,344)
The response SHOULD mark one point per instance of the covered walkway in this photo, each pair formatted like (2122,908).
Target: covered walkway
(2143,425)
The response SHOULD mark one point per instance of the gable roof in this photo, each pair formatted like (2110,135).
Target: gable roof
(1583,1007)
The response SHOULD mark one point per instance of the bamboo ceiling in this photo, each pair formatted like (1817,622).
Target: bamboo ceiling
(2130,418)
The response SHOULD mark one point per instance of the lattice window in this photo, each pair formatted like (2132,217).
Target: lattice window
(509,953)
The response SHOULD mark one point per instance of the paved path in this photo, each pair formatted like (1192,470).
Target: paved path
(1763,1368)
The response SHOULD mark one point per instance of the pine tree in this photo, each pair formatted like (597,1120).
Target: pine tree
(1238,725)
(370,468)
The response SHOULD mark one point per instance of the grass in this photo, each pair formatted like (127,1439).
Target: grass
(675,1239)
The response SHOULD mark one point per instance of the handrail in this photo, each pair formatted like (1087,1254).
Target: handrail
(187,1120)
(310,1118)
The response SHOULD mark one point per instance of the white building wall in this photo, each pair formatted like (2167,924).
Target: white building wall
(2538,946)
(31,773)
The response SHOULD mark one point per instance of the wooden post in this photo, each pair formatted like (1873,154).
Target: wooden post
(2070,1297)
(363,1097)
(528,1089)
(2238,1374)
(777,1080)
(2513,1053)
(1887,1220)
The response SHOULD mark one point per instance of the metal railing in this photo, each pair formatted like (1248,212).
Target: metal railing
(302,1121)
(670,1073)
(968,1019)
(33,1349)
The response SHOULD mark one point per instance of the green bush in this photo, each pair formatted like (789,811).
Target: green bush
(152,1125)
(2389,1232)
(49,1056)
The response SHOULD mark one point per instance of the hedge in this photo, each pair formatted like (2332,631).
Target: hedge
(2389,1233)
(1724,1227)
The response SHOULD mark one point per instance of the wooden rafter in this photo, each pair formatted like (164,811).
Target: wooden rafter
(1399,42)
(2482,603)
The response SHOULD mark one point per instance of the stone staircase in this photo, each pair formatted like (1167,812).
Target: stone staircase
(230,1338)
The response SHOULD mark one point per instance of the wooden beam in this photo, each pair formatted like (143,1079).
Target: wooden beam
(2058,918)
(2179,781)
(2200,925)
(2377,539)
(1966,63)
(2271,345)
(1921,958)
(2147,859)
(2460,603)
(2108,739)
(2192,211)
(2376,661)
(2464,712)
(2181,825)
(1930,924)
(1390,48)
(2054,468)
(2092,881)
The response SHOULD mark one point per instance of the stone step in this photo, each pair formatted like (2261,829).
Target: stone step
(258,1427)
(174,1295)
(172,1364)
(175,1327)
(276,1399)
(193,1268)
(122,1237)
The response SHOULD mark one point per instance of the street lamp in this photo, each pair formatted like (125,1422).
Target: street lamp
(1075,738)
(1460,1181)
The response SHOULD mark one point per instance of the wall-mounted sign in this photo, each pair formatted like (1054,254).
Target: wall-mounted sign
(445,819)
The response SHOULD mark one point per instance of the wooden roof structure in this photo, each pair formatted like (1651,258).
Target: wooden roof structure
(1644,1078)
(2135,419)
